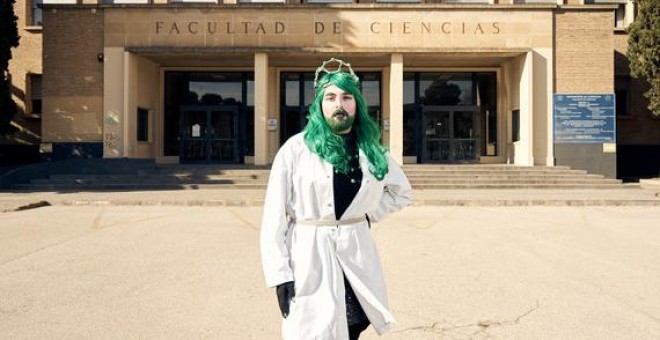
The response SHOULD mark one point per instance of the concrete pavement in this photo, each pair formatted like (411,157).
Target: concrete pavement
(649,195)
(171,272)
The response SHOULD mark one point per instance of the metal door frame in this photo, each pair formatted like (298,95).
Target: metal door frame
(451,110)
(207,139)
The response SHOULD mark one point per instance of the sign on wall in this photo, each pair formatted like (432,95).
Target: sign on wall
(584,118)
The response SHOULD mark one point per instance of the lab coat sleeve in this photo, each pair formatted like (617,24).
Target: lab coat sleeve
(274,252)
(397,192)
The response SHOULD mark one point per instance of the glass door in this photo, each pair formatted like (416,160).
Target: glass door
(193,135)
(209,134)
(450,134)
(223,135)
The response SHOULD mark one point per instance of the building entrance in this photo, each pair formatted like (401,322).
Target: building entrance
(451,134)
(208,116)
(449,117)
(209,134)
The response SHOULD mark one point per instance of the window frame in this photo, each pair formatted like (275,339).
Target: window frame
(30,98)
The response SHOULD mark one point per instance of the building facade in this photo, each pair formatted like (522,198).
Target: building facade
(25,76)
(448,82)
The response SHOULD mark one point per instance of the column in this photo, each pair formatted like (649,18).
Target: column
(525,150)
(113,102)
(260,109)
(396,107)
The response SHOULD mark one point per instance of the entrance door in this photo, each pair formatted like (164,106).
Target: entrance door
(450,134)
(209,134)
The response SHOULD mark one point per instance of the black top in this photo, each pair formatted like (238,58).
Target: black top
(346,186)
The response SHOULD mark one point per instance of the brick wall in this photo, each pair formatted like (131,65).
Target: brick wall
(584,61)
(73,75)
(26,59)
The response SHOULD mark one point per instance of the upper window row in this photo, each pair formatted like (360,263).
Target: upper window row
(334,1)
(622,15)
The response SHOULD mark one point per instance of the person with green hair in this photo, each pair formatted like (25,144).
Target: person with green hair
(326,186)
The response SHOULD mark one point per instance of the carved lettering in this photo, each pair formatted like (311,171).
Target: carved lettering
(260,29)
(193,27)
(174,28)
(279,27)
(318,27)
(406,27)
(479,29)
(211,27)
(336,27)
(426,26)
(373,27)
(446,27)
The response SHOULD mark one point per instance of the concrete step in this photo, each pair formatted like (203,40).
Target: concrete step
(132,187)
(155,181)
(487,172)
(263,183)
(70,178)
(521,186)
(522,180)
(215,186)
(505,177)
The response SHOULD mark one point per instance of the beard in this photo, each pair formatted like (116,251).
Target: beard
(340,121)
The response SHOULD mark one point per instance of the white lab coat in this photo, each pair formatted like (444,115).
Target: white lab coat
(295,248)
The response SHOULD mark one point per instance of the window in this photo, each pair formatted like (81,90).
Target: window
(194,1)
(35,13)
(620,16)
(398,0)
(34,83)
(517,2)
(466,1)
(262,1)
(142,125)
(328,1)
(125,1)
(515,125)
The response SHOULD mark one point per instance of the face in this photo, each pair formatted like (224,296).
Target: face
(338,109)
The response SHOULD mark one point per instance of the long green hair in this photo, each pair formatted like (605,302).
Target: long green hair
(330,146)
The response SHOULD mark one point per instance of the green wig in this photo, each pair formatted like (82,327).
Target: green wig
(330,146)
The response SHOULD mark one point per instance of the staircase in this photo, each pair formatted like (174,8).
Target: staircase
(502,176)
(421,176)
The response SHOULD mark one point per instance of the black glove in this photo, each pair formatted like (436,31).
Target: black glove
(285,292)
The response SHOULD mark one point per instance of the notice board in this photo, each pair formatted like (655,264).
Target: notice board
(584,118)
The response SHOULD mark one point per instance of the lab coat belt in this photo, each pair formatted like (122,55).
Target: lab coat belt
(316,223)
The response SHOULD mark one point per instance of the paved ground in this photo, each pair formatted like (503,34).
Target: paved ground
(649,195)
(168,272)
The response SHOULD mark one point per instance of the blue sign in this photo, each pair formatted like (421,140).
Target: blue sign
(584,118)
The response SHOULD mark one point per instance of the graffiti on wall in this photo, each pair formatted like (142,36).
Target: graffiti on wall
(112,145)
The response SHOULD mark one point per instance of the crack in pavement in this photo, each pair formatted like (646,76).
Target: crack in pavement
(483,325)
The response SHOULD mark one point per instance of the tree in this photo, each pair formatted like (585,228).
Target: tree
(644,49)
(8,39)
